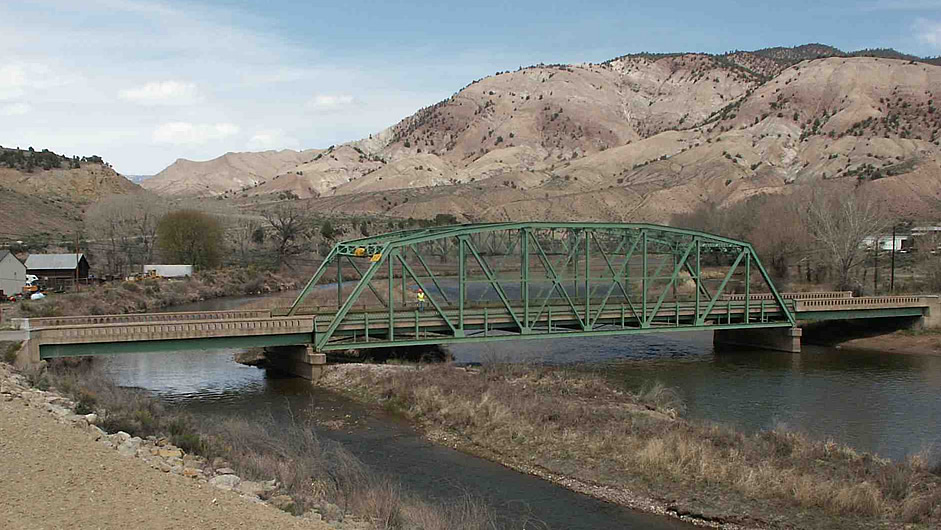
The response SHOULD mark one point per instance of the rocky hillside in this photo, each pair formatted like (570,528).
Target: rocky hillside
(643,137)
(46,193)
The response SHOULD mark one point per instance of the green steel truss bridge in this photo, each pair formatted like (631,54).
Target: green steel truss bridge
(508,281)
(497,282)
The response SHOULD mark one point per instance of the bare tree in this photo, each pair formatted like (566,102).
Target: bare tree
(289,222)
(840,221)
(778,232)
(125,226)
(147,214)
(110,225)
(243,232)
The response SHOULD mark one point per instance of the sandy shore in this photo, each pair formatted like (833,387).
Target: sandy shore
(899,342)
(56,476)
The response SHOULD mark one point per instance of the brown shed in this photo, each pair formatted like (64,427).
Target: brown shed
(58,268)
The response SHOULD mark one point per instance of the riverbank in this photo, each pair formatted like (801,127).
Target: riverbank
(636,449)
(927,342)
(85,480)
(284,465)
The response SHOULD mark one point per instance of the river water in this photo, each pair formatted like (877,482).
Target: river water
(886,403)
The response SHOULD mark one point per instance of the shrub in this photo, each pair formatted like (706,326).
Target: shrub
(10,350)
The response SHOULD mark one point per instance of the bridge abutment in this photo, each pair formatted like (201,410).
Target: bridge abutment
(300,361)
(28,354)
(777,339)
(931,318)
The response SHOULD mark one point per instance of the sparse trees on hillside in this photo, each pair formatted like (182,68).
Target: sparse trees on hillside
(327,230)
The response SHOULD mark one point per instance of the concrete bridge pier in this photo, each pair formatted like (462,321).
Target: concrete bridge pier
(777,339)
(300,361)
(931,318)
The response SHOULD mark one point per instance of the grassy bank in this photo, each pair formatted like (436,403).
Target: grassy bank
(635,448)
(318,474)
(154,294)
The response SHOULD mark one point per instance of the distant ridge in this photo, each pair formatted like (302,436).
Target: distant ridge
(640,136)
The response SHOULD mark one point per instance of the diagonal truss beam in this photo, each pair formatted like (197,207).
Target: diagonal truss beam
(666,289)
(379,297)
(616,279)
(494,282)
(421,286)
(313,281)
(700,319)
(557,284)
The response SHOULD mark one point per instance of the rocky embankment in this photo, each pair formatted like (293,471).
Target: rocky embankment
(16,394)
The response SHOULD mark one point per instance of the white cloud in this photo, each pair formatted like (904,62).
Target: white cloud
(183,133)
(325,102)
(17,77)
(272,139)
(162,93)
(15,109)
(928,32)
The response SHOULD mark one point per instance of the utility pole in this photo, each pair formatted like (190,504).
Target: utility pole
(875,276)
(892,277)
(76,261)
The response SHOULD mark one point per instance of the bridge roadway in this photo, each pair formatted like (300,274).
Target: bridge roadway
(369,327)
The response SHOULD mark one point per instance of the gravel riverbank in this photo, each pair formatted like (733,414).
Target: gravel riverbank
(60,471)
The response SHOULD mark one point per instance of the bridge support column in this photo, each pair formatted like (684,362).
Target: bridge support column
(777,339)
(28,354)
(300,361)
(932,315)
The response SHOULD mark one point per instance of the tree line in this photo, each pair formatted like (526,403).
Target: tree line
(30,159)
(125,232)
(816,235)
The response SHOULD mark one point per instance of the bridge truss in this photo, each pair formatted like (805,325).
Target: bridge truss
(502,281)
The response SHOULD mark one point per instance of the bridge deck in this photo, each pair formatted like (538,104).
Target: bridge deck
(370,327)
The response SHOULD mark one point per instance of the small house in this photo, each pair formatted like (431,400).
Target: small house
(12,274)
(58,269)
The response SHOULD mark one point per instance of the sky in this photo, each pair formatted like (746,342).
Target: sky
(142,83)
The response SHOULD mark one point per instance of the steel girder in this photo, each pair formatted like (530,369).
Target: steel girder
(534,279)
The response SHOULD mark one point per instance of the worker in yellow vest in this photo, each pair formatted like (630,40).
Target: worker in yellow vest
(421,300)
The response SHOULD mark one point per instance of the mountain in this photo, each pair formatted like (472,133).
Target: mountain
(227,174)
(137,179)
(641,136)
(46,193)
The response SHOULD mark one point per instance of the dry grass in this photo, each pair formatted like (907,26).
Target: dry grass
(316,472)
(8,350)
(573,423)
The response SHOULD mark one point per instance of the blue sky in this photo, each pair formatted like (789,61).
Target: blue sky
(144,82)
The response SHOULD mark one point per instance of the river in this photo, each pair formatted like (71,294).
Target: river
(889,404)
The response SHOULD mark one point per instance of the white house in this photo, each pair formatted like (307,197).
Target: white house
(886,242)
(12,273)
